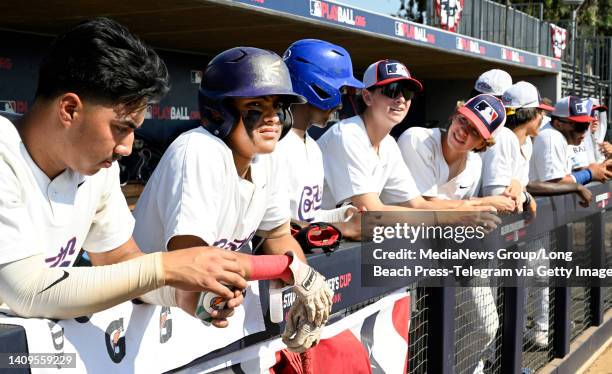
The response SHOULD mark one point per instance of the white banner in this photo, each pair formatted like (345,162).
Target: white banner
(131,338)
(559,40)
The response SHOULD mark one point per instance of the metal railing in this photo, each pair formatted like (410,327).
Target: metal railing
(443,334)
(507,25)
(588,71)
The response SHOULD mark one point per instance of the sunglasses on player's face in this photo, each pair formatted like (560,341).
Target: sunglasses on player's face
(393,90)
(578,127)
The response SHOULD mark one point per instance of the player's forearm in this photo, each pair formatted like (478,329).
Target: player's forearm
(436,204)
(33,290)
(551,188)
(283,244)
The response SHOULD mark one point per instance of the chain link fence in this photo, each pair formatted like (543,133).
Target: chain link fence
(418,333)
(608,249)
(476,326)
(539,316)
(581,296)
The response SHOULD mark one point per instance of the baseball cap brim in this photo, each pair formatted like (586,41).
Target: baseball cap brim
(415,84)
(545,107)
(599,108)
(482,129)
(582,119)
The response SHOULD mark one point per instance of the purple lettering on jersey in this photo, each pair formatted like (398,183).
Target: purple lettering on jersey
(58,261)
(235,244)
(309,202)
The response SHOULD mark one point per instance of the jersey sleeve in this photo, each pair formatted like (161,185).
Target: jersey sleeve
(189,191)
(476,171)
(498,163)
(345,163)
(277,211)
(113,223)
(418,157)
(400,185)
(17,227)
(549,158)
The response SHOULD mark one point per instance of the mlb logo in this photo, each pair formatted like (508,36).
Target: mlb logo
(399,31)
(486,111)
(581,107)
(8,106)
(397,69)
(315,8)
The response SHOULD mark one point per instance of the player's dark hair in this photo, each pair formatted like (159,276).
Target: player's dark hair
(361,105)
(521,117)
(102,61)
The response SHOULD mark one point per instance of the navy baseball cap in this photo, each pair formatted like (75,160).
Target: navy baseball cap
(383,72)
(486,112)
(574,108)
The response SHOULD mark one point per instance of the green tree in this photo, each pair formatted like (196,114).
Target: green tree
(594,16)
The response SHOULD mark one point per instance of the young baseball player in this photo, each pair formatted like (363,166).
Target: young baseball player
(589,150)
(60,185)
(603,148)
(320,71)
(221,183)
(508,160)
(444,164)
(363,164)
(551,160)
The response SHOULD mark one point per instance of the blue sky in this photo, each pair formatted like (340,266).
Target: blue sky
(379,6)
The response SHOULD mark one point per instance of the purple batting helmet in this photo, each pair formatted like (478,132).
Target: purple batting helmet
(243,72)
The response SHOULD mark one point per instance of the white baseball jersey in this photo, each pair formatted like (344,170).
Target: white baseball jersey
(304,168)
(551,159)
(584,154)
(195,190)
(56,217)
(506,160)
(352,166)
(421,149)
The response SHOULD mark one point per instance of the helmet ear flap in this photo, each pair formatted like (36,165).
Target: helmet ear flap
(217,116)
(286,120)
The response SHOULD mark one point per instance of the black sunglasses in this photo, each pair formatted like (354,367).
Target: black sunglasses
(392,90)
(576,126)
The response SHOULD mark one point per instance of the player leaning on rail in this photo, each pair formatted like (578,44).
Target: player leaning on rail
(221,183)
(60,184)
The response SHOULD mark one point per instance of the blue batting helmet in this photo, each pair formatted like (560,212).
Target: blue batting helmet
(319,70)
(238,73)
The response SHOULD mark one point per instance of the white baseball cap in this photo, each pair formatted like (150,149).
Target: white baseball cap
(524,95)
(493,82)
(383,72)
(575,108)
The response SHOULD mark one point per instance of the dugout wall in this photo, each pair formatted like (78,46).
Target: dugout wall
(188,32)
